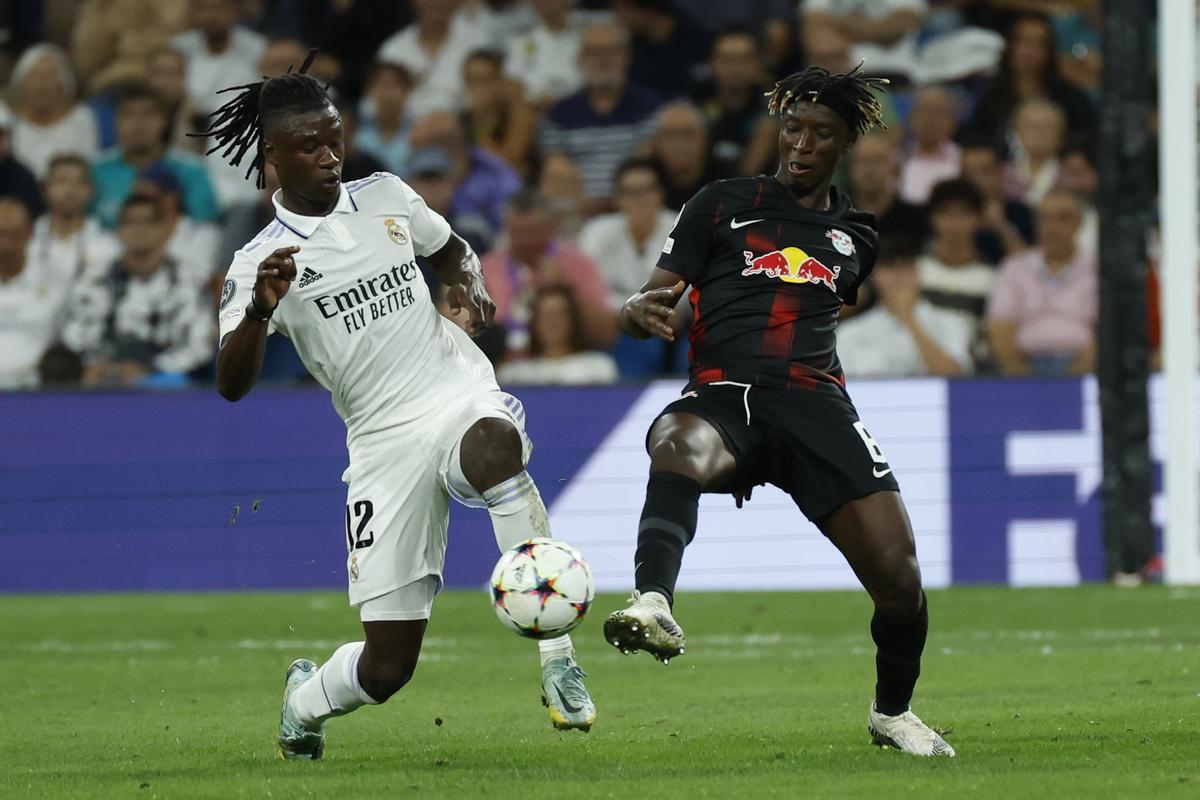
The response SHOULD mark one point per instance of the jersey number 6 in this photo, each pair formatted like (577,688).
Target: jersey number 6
(357,536)
(872,446)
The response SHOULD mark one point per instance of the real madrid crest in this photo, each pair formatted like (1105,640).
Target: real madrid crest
(395,231)
(354,569)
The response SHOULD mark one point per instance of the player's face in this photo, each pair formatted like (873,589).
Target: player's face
(811,141)
(308,151)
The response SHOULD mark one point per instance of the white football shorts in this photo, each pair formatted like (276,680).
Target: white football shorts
(397,505)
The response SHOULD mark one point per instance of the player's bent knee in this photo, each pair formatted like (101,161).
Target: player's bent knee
(687,451)
(900,595)
(491,452)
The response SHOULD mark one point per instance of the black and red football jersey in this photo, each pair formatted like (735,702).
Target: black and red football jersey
(768,279)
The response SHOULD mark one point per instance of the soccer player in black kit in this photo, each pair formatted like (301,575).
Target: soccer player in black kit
(770,261)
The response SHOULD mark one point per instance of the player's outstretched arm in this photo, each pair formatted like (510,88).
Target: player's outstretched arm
(458,268)
(648,312)
(241,355)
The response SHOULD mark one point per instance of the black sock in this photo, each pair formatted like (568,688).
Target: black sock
(668,525)
(898,658)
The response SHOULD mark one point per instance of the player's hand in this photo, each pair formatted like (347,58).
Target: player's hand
(469,292)
(651,311)
(275,276)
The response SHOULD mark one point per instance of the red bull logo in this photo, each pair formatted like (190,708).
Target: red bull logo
(792,265)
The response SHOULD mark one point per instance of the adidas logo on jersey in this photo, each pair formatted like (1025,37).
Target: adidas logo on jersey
(309,276)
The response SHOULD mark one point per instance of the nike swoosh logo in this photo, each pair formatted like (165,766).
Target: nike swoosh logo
(879,474)
(734,224)
(572,709)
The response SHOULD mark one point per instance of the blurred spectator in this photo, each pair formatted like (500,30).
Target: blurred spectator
(485,181)
(32,297)
(219,52)
(48,120)
(143,315)
(357,163)
(65,237)
(1007,223)
(245,220)
(433,49)
(546,59)
(1033,169)
(113,39)
(773,22)
(904,334)
(431,175)
(282,56)
(561,186)
(604,123)
(385,130)
(680,145)
(496,116)
(1078,175)
(1042,310)
(953,276)
(531,257)
(16,180)
(348,34)
(626,245)
(60,367)
(166,74)
(499,21)
(880,33)
(741,134)
(667,47)
(558,351)
(934,156)
(190,243)
(875,187)
(141,128)
(1029,69)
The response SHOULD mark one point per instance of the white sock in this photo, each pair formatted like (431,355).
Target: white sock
(517,511)
(334,690)
(555,648)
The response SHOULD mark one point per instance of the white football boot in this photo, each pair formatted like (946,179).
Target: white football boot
(647,625)
(297,740)
(906,733)
(563,693)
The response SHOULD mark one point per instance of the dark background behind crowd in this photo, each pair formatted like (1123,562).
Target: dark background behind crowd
(560,138)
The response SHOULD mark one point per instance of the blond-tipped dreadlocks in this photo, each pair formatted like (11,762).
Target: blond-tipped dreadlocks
(851,96)
(237,125)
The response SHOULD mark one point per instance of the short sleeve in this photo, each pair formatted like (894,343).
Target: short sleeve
(688,245)
(430,230)
(236,291)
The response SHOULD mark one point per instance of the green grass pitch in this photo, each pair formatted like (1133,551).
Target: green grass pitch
(1090,692)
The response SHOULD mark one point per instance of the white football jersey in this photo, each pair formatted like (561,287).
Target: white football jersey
(359,312)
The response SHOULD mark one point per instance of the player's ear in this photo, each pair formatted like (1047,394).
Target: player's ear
(268,148)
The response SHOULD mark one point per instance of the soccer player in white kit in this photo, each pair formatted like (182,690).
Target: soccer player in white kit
(336,273)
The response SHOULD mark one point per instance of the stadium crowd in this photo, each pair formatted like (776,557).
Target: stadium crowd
(560,138)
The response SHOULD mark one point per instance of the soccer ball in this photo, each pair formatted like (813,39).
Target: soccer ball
(542,588)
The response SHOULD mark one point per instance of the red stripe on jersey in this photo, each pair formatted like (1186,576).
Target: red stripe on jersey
(759,243)
(696,334)
(758,194)
(710,375)
(802,376)
(781,325)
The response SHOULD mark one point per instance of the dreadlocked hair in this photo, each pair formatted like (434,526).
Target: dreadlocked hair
(237,125)
(851,96)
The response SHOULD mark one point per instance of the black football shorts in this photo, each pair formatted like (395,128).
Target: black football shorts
(808,442)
